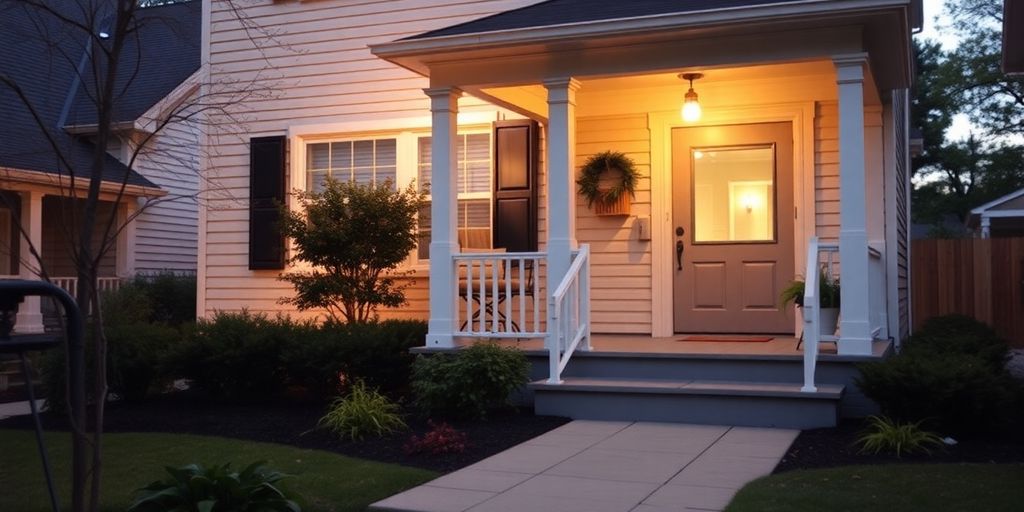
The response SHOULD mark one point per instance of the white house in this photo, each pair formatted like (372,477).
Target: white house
(797,159)
(48,60)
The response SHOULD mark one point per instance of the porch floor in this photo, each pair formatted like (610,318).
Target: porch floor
(781,347)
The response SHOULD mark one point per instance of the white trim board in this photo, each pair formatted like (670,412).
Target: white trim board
(801,115)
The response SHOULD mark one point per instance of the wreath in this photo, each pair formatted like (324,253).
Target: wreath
(600,165)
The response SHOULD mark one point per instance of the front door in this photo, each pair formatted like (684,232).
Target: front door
(733,225)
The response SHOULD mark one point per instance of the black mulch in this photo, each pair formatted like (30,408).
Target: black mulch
(832,447)
(292,423)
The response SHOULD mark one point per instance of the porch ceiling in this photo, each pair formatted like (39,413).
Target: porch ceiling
(617,48)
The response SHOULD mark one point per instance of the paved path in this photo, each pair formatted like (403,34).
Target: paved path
(604,466)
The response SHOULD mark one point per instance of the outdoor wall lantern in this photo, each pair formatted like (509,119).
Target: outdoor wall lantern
(691,107)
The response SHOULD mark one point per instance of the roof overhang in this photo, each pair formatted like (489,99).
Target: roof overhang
(16,179)
(875,26)
(1013,37)
(996,202)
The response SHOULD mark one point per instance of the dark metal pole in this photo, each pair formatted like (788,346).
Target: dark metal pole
(27,376)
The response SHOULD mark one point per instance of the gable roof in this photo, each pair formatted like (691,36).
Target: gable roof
(564,12)
(42,57)
(995,203)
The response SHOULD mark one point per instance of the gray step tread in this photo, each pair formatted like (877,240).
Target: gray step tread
(691,387)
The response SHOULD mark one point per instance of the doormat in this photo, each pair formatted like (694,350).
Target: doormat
(727,339)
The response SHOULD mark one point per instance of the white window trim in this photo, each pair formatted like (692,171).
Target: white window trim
(405,131)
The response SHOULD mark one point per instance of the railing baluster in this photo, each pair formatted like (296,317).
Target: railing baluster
(494,294)
(536,295)
(522,294)
(469,295)
(481,310)
(507,271)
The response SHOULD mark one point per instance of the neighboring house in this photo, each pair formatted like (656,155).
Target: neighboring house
(50,63)
(496,104)
(1002,217)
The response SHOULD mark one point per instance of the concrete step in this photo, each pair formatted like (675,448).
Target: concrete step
(752,404)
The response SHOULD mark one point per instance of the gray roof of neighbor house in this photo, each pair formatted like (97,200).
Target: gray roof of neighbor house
(42,57)
(560,12)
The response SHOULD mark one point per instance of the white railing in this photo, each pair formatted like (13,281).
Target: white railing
(570,315)
(70,284)
(812,306)
(498,294)
(877,292)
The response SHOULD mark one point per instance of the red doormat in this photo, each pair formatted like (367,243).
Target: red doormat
(727,339)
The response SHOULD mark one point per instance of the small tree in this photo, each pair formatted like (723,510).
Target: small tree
(353,237)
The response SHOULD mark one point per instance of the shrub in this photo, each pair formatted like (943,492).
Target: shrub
(887,435)
(362,412)
(217,489)
(238,355)
(960,335)
(376,352)
(468,382)
(955,393)
(441,439)
(165,298)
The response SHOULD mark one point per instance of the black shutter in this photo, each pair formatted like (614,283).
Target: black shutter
(516,158)
(266,194)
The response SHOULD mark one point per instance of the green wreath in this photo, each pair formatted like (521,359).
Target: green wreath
(601,163)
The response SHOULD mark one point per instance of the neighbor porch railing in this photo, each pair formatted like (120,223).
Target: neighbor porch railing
(570,315)
(499,295)
(103,284)
(812,306)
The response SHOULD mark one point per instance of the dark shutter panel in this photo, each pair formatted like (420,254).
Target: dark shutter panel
(266,194)
(516,158)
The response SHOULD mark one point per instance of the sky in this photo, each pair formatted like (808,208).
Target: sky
(934,18)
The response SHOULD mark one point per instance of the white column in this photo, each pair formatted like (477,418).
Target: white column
(30,318)
(561,156)
(125,247)
(444,108)
(855,325)
(986,226)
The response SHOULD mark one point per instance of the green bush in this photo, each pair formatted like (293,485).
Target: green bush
(960,335)
(238,355)
(364,411)
(469,382)
(164,298)
(376,352)
(886,435)
(217,489)
(958,394)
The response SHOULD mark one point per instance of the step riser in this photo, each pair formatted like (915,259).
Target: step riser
(853,404)
(709,410)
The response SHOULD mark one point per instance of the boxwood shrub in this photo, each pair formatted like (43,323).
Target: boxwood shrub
(468,382)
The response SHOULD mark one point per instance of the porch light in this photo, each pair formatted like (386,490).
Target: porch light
(691,107)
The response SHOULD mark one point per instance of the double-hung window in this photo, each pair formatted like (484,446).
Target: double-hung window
(473,183)
(363,161)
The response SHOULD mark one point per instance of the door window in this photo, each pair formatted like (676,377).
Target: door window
(734,194)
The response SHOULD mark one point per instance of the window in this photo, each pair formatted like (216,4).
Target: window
(734,194)
(473,167)
(363,161)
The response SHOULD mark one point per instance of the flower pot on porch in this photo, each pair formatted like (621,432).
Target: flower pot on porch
(618,207)
(829,321)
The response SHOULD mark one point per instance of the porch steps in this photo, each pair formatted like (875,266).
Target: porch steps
(740,403)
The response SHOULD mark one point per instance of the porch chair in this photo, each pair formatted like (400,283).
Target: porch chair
(509,285)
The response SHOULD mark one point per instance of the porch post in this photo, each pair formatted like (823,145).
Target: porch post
(444,108)
(30,317)
(855,325)
(561,156)
(986,226)
(125,267)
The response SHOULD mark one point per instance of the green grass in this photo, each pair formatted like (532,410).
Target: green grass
(893,488)
(326,481)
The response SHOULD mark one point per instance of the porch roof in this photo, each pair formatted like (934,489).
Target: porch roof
(561,38)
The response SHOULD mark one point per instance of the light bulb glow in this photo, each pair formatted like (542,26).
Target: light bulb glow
(691,107)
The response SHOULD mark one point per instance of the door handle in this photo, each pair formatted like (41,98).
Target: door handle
(679,254)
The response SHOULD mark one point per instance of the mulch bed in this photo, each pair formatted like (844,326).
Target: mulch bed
(832,447)
(292,423)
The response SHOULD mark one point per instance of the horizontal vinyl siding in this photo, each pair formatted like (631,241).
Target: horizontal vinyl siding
(620,265)
(311,64)
(826,171)
(167,230)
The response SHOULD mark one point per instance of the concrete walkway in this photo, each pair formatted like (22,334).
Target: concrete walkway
(604,466)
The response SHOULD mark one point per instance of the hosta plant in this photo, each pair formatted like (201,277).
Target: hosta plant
(364,411)
(886,435)
(218,488)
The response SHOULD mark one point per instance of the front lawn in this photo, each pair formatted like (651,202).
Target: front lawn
(893,488)
(326,481)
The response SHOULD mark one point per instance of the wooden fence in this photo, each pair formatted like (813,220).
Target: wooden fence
(979,278)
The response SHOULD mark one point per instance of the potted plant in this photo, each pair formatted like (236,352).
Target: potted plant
(828,300)
(608,182)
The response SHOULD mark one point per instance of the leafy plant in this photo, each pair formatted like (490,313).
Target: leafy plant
(441,439)
(362,412)
(828,291)
(353,238)
(599,168)
(887,435)
(469,382)
(194,488)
